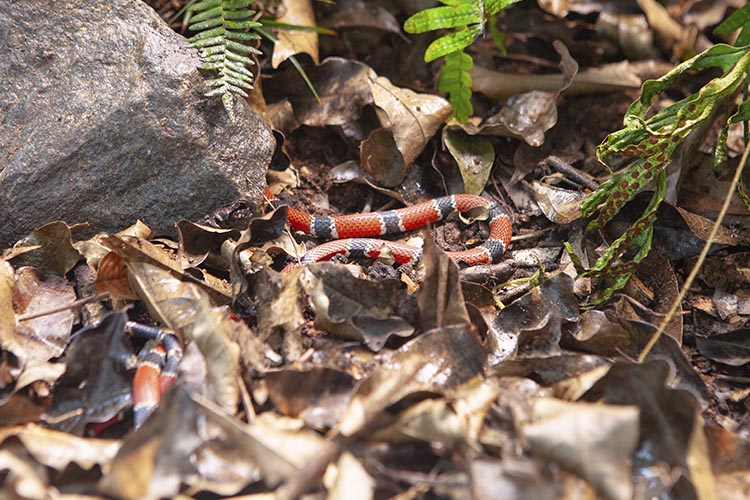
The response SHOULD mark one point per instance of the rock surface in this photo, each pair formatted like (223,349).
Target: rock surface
(103,120)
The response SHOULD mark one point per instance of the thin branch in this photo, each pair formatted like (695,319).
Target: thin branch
(72,305)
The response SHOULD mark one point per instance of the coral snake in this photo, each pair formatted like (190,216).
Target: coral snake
(351,234)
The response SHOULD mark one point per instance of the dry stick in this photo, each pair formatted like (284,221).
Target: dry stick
(694,272)
(72,305)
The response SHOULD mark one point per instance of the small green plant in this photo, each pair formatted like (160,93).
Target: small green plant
(649,140)
(225,32)
(467,20)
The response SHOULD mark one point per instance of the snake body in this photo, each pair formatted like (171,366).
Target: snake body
(352,233)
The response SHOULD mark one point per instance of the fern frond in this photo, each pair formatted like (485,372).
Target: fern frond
(224,31)
(455,80)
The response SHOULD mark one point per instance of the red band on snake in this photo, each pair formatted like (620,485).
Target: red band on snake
(352,231)
(156,369)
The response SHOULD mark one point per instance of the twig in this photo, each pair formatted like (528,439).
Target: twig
(572,172)
(694,272)
(72,305)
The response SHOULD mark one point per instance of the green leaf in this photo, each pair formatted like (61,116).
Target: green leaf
(452,42)
(224,28)
(455,80)
(739,19)
(443,17)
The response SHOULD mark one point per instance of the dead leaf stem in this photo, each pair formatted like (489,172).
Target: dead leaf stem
(72,305)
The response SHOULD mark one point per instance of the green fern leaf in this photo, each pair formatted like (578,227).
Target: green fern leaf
(455,80)
(452,42)
(444,17)
(224,30)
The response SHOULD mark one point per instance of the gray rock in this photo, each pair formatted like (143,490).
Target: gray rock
(103,120)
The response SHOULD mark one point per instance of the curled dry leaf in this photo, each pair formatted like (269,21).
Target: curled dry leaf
(537,318)
(352,482)
(492,479)
(606,335)
(561,206)
(353,14)
(670,428)
(42,338)
(730,348)
(112,277)
(22,475)
(474,155)
(411,118)
(96,385)
(137,251)
(439,360)
(8,333)
(319,395)
(197,241)
(280,301)
(594,441)
(295,41)
(49,248)
(187,309)
(358,309)
(59,449)
(440,299)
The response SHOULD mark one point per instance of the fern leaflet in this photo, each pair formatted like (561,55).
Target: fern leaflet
(467,18)
(224,32)
(455,80)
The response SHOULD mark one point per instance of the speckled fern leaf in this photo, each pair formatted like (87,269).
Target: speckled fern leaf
(650,142)
(225,32)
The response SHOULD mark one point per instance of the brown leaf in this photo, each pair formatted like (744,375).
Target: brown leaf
(136,251)
(197,241)
(474,156)
(319,396)
(439,360)
(358,309)
(593,441)
(50,249)
(440,299)
(187,309)
(8,333)
(295,41)
(44,337)
(537,317)
(58,449)
(112,277)
(671,429)
(96,385)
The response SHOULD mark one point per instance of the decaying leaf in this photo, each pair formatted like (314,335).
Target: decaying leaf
(594,441)
(295,41)
(474,155)
(562,206)
(48,248)
(59,449)
(537,318)
(670,428)
(96,385)
(438,360)
(359,309)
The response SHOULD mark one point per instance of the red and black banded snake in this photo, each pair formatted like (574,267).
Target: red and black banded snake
(351,233)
